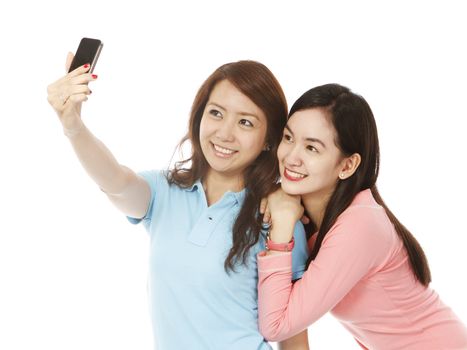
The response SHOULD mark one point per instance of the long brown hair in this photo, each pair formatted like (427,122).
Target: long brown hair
(257,82)
(356,132)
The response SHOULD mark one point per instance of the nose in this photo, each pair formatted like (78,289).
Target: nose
(225,131)
(292,157)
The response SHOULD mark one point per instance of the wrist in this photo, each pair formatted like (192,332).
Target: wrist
(282,232)
(72,131)
(272,245)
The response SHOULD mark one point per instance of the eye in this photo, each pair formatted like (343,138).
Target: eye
(215,113)
(246,122)
(287,138)
(311,148)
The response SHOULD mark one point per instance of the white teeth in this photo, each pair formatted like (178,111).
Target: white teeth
(294,174)
(223,150)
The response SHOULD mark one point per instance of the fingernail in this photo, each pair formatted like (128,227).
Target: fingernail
(86,65)
(94,76)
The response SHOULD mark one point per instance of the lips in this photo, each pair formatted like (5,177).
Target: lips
(222,151)
(293,176)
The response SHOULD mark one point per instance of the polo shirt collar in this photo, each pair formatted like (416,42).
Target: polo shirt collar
(239,196)
(194,187)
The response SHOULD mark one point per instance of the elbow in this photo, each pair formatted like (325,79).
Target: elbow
(123,182)
(272,332)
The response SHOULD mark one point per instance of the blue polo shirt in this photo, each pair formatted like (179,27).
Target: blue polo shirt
(194,303)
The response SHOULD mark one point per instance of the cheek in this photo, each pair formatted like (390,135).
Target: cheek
(328,172)
(281,151)
(203,128)
(254,141)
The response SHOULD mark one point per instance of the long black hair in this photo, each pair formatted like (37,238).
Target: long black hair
(356,132)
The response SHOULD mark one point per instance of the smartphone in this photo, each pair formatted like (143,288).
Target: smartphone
(88,52)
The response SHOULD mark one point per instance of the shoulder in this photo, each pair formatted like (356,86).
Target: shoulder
(158,179)
(364,225)
(362,217)
(152,177)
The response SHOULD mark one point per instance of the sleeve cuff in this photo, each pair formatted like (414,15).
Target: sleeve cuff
(276,262)
(133,220)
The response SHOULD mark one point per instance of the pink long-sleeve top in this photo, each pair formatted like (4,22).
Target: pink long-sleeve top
(362,275)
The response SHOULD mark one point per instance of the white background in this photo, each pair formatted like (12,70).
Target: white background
(73,271)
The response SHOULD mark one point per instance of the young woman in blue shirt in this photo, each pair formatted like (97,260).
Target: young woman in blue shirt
(202,215)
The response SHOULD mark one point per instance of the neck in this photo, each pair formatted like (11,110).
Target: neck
(315,206)
(215,185)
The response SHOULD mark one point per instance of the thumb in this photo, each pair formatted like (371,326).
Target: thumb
(69,59)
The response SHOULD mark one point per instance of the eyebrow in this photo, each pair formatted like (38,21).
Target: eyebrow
(241,113)
(311,139)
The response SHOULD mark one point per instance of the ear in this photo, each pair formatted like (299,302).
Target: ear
(349,165)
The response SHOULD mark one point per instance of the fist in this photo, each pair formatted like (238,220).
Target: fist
(280,206)
(68,93)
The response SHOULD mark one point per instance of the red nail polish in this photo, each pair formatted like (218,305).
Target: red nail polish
(86,65)
(94,76)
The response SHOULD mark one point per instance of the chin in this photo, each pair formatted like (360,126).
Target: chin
(291,189)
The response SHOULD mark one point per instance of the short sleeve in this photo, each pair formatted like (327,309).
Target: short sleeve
(152,177)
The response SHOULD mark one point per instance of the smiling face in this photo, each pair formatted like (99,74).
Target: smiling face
(309,160)
(232,131)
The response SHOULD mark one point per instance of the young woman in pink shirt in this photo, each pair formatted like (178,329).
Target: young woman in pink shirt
(364,265)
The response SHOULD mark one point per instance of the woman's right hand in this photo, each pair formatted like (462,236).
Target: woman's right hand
(282,211)
(67,94)
(291,204)
(282,205)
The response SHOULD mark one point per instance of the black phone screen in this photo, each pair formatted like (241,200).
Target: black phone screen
(88,52)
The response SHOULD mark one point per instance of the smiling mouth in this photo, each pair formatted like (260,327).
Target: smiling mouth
(293,176)
(222,151)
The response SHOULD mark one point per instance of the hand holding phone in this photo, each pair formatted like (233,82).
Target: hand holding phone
(88,52)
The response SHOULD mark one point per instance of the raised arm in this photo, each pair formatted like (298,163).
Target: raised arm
(129,192)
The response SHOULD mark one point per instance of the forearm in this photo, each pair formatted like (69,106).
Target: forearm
(274,289)
(280,232)
(350,250)
(98,161)
(297,342)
